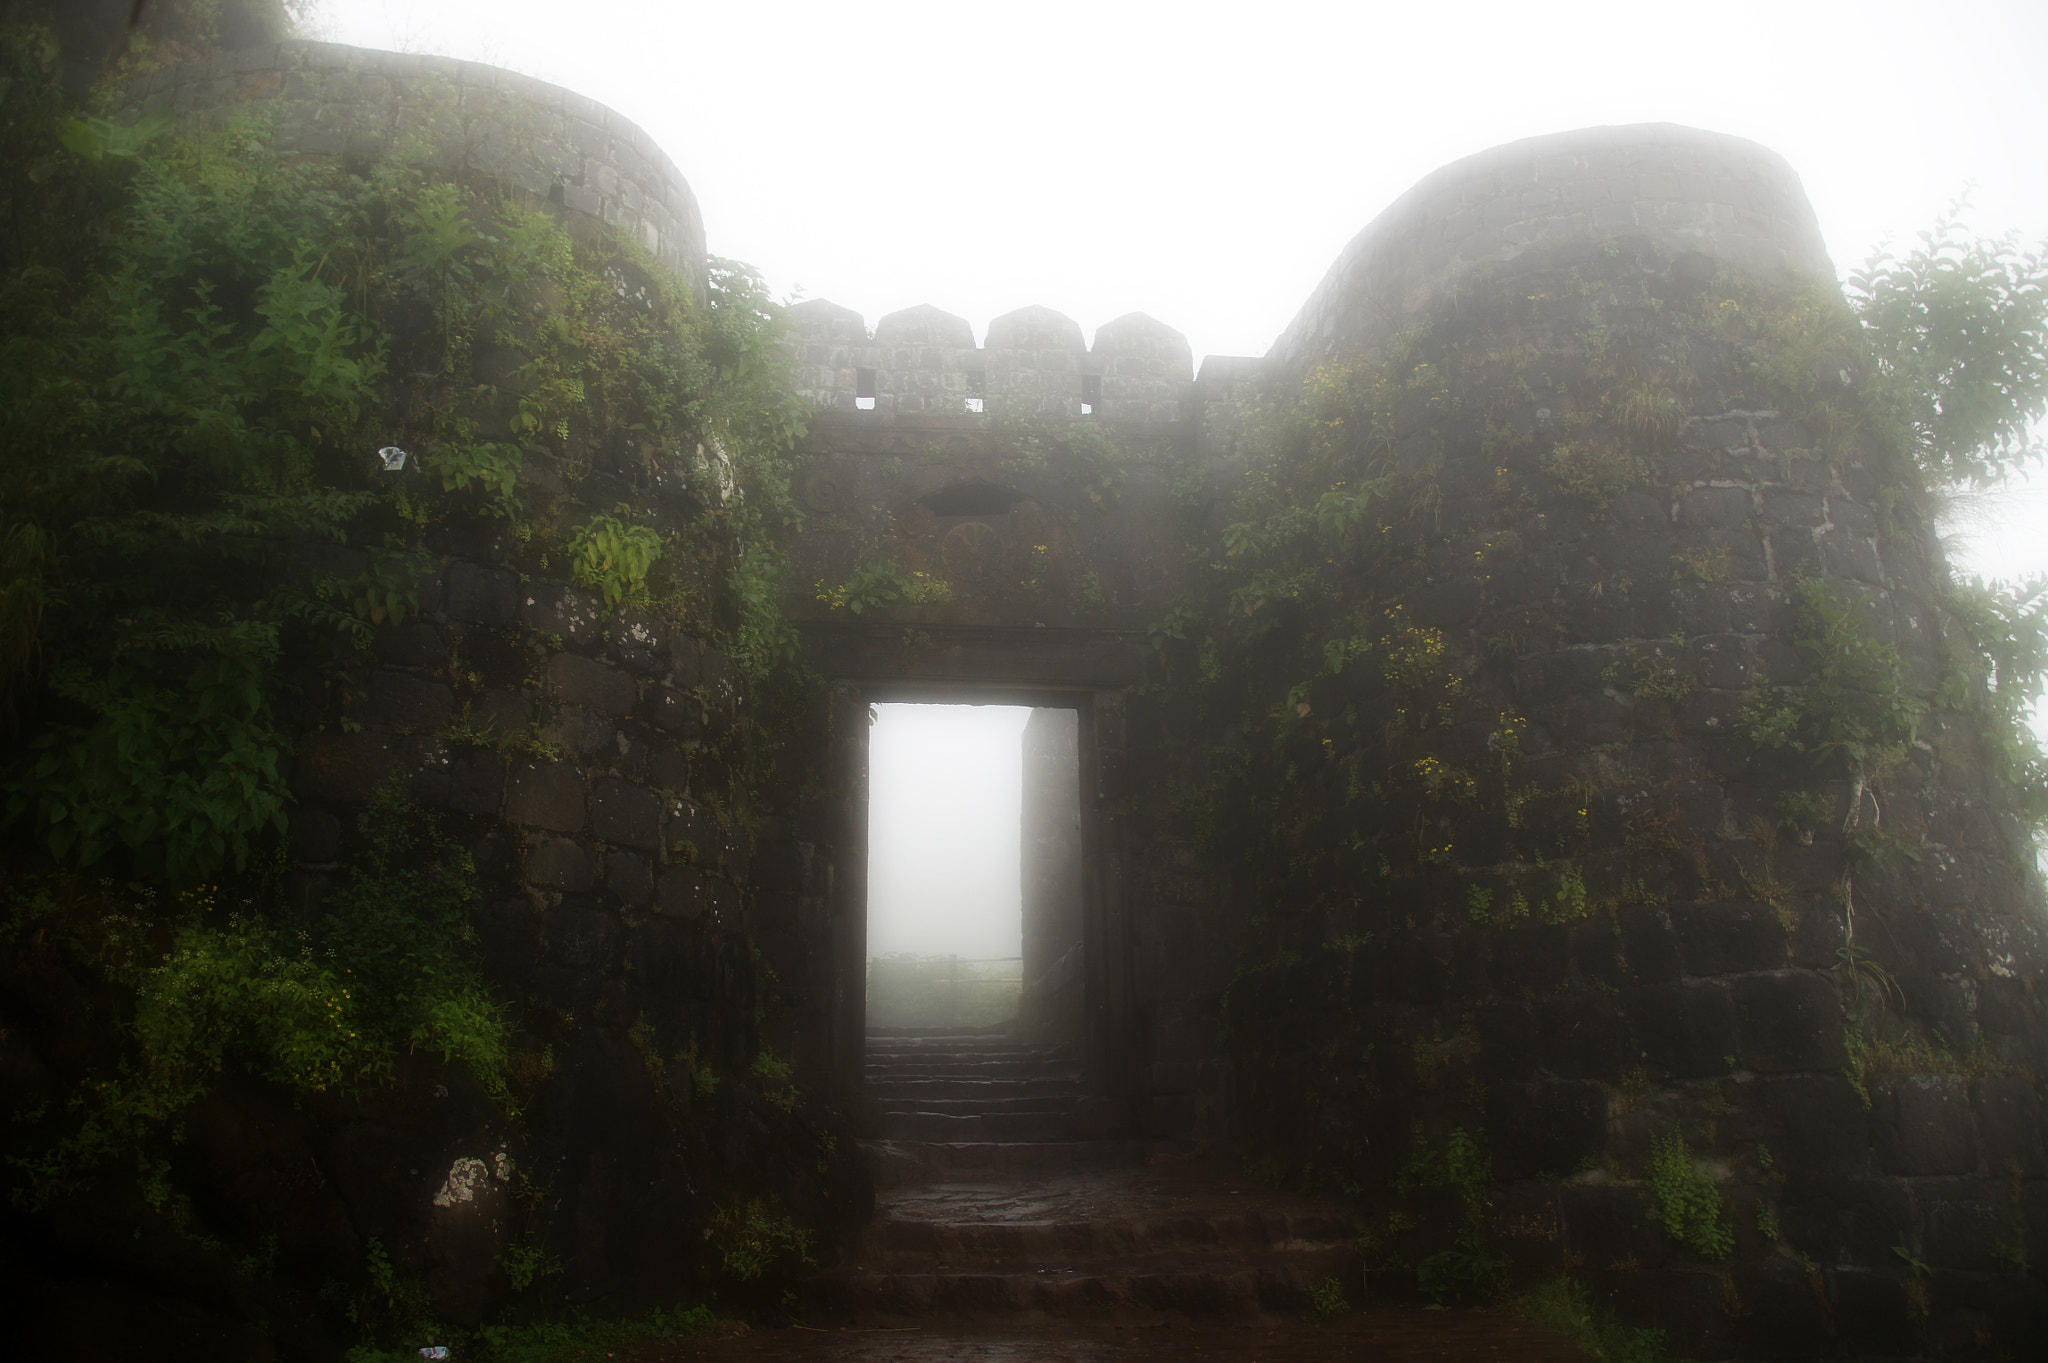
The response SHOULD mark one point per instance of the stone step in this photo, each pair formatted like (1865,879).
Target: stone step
(1245,1285)
(968,1060)
(1001,1029)
(1078,1123)
(968,1090)
(956,1068)
(981,1105)
(903,1164)
(900,1244)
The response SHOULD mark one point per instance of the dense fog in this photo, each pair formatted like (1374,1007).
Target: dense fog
(944,799)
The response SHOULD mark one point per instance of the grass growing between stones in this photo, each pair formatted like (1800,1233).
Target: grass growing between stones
(1564,1305)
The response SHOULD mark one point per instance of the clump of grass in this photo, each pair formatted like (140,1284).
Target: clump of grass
(1564,1305)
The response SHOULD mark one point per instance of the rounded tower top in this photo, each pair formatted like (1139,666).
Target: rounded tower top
(1682,189)
(330,99)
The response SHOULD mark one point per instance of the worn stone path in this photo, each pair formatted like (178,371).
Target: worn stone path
(1015,1223)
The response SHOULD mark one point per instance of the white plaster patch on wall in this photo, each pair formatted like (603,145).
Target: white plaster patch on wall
(465,1177)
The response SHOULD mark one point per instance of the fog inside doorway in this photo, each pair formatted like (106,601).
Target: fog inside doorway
(945,796)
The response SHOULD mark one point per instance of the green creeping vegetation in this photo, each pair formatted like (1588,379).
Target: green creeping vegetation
(1688,1203)
(203,349)
(757,1243)
(1357,627)
(1327,1300)
(218,989)
(614,558)
(206,346)
(1880,1045)
(1471,1268)
(883,582)
(579,1340)
(1564,1305)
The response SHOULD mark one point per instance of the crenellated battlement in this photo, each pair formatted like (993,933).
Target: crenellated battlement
(922,361)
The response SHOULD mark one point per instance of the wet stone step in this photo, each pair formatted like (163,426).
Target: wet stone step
(901,1164)
(1012,1126)
(979,1106)
(891,1090)
(999,1062)
(1112,1244)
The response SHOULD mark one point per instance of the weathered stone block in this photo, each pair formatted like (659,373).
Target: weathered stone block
(1784,507)
(580,733)
(501,712)
(638,642)
(1582,1035)
(1547,678)
(1535,959)
(676,713)
(1611,1228)
(681,892)
(1649,948)
(1874,1315)
(1790,1021)
(559,864)
(1813,1124)
(1964,1221)
(668,769)
(546,795)
(582,937)
(481,596)
(1721,661)
(412,644)
(587,682)
(404,703)
(630,877)
(1728,938)
(1854,557)
(622,812)
(1714,508)
(1596,952)
(476,782)
(1794,554)
(2009,1120)
(344,768)
(1546,1129)
(560,610)
(1780,1315)
(1923,1124)
(722,902)
(1839,1220)
(1687,1029)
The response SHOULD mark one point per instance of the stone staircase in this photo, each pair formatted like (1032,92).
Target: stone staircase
(1008,1195)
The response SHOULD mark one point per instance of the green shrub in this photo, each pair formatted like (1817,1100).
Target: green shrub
(1470,1270)
(1688,1203)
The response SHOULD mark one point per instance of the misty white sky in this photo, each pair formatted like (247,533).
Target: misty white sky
(1205,163)
(945,793)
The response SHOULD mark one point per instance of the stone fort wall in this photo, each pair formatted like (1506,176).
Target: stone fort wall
(327,99)
(1719,1002)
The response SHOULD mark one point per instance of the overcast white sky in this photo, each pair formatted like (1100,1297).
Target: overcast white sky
(1205,163)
